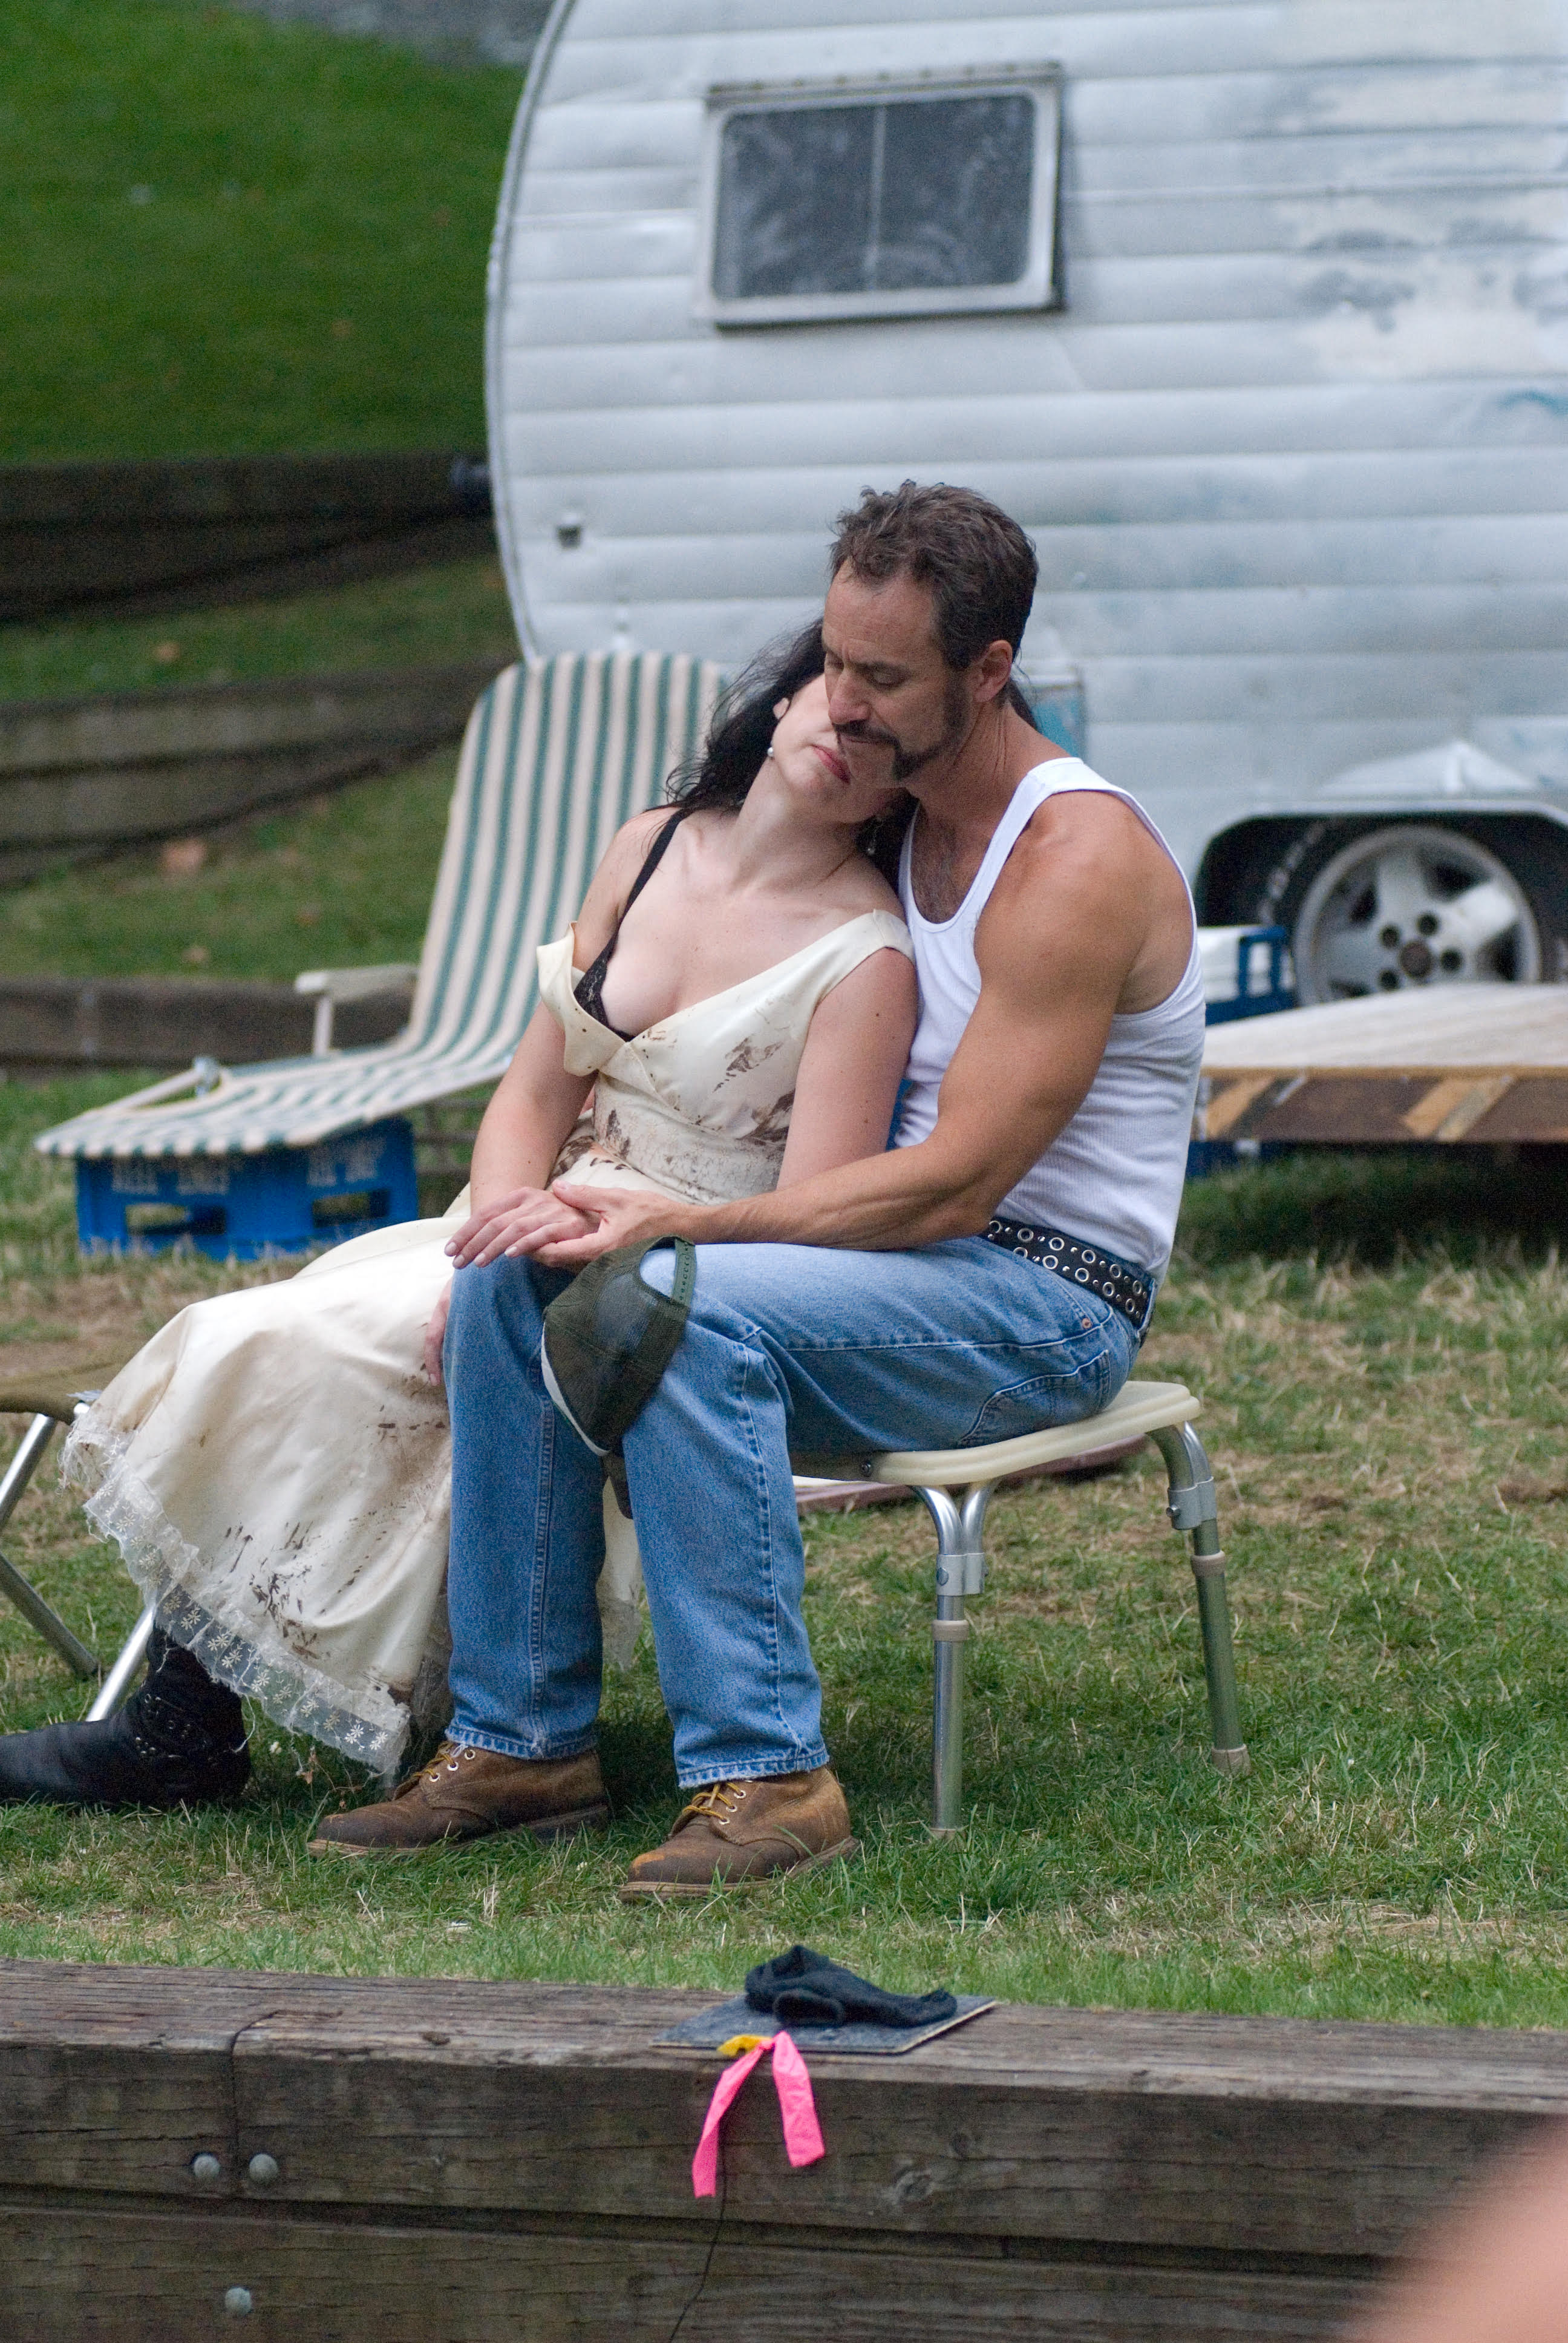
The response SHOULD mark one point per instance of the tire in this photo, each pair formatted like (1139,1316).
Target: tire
(1376,906)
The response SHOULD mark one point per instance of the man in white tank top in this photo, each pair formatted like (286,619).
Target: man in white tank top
(992,1273)
(1053,1075)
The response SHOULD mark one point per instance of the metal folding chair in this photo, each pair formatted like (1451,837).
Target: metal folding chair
(956,1484)
(51,1400)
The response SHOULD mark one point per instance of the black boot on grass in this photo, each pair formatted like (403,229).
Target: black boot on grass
(179,1740)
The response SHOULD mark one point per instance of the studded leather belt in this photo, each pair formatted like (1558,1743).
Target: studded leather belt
(1128,1290)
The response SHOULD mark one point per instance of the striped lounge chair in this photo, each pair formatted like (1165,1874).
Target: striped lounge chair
(558,752)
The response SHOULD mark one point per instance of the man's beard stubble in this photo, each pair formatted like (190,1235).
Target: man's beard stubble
(908,761)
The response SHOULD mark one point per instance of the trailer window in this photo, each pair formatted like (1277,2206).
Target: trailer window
(881,202)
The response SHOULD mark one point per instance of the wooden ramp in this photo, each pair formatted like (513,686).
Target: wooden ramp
(191,2153)
(1474,1062)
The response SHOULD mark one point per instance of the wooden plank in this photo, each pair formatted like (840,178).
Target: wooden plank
(163,2278)
(1483,1063)
(1452,1106)
(1391,1110)
(1515,1029)
(441,2098)
(84,775)
(116,2089)
(150,1020)
(1532,1111)
(200,531)
(1225,1108)
(1344,1109)
(455,2160)
(1008,2149)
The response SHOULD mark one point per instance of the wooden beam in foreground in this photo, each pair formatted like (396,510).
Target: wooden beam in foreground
(430,2162)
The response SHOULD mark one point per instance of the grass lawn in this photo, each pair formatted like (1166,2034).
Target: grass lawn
(456,610)
(219,234)
(1379,1344)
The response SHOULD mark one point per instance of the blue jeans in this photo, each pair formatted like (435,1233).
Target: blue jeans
(824,1352)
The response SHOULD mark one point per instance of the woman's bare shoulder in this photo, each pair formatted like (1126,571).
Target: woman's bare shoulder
(864,889)
(627,851)
(633,839)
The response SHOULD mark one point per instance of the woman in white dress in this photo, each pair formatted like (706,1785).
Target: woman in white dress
(275,1464)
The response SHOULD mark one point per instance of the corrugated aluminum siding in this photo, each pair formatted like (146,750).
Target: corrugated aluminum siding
(1295,454)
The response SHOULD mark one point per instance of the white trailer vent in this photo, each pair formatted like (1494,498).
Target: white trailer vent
(881,201)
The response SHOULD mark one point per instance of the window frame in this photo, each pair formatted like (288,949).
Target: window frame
(1040,286)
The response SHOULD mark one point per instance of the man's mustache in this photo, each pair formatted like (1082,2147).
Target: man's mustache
(861,730)
(907,762)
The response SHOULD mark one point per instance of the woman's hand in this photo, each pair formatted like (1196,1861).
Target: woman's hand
(436,1334)
(611,1217)
(513,1224)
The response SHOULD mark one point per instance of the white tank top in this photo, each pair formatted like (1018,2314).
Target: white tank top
(1113,1177)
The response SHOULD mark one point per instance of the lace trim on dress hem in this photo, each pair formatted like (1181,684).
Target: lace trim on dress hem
(363,1719)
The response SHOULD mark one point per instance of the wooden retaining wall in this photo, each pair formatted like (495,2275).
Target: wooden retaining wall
(195,531)
(82,777)
(55,1024)
(427,2162)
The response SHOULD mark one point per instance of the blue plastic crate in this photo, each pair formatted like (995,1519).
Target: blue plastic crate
(1263,979)
(1206,1155)
(239,1207)
(1263,985)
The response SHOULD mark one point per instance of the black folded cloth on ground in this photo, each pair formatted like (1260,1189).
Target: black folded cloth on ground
(805,1988)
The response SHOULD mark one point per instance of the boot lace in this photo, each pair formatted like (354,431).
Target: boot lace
(446,1760)
(721,1799)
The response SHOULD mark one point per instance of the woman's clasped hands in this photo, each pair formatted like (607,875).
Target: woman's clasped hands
(521,1222)
(518,1222)
(562,1235)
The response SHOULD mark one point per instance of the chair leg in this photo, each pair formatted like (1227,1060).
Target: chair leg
(1192,1508)
(117,1684)
(19,1590)
(961,1570)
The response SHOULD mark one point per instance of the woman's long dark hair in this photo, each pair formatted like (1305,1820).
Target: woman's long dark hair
(738,743)
(743,726)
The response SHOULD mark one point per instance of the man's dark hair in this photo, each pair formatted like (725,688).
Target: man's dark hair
(977,561)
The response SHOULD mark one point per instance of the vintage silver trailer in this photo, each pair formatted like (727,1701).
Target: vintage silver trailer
(1254,313)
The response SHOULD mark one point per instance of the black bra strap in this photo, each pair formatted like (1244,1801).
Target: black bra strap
(589,986)
(654,857)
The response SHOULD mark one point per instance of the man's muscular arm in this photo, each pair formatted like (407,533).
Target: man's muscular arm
(1061,939)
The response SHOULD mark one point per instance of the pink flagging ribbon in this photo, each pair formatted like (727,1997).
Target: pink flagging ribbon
(797,2109)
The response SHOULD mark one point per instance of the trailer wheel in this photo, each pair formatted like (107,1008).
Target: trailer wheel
(1380,908)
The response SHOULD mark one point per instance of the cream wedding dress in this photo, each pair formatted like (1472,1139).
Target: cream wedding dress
(276,1468)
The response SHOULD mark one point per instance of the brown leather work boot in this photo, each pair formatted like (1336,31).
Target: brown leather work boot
(736,1832)
(468,1793)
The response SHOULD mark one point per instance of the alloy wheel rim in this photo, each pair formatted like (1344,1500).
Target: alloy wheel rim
(1404,907)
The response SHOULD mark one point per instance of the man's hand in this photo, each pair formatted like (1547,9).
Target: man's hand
(620,1216)
(517,1223)
(1117,938)
(436,1334)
